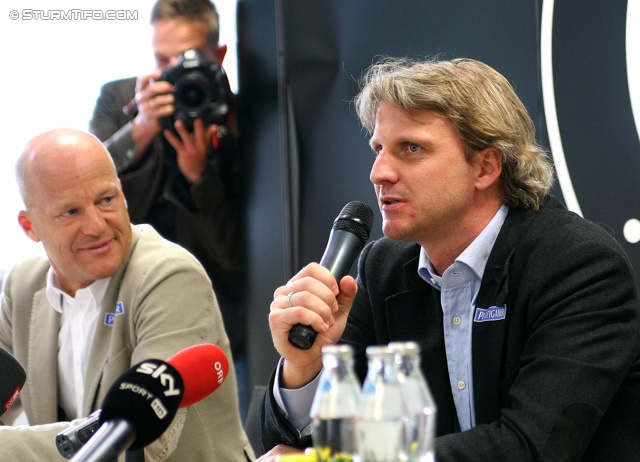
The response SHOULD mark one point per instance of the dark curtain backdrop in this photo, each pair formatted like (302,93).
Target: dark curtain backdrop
(299,62)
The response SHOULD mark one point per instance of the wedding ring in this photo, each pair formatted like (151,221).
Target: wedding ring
(289,299)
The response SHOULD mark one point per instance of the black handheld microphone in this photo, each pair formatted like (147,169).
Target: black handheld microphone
(349,233)
(13,378)
(136,410)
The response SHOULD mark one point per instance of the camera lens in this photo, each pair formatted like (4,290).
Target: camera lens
(191,95)
(200,91)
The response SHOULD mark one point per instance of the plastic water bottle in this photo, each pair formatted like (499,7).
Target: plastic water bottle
(380,426)
(420,421)
(335,406)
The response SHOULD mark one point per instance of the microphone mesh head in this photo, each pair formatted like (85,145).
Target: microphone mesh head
(147,396)
(357,218)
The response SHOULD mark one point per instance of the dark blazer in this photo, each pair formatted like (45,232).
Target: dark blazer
(557,380)
(208,219)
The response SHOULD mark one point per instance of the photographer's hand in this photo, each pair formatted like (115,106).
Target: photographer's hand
(191,148)
(154,100)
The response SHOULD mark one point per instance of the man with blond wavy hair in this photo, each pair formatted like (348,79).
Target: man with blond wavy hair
(527,315)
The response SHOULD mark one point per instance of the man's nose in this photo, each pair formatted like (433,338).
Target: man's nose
(94,223)
(382,170)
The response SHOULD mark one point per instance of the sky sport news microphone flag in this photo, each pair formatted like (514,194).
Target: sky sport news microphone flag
(12,378)
(202,367)
(141,404)
(349,233)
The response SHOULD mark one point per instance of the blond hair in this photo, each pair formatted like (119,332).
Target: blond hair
(482,106)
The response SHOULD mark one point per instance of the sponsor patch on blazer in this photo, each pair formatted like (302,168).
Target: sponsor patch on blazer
(493,313)
(119,308)
(109,319)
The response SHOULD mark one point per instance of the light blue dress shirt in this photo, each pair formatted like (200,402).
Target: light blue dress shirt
(459,287)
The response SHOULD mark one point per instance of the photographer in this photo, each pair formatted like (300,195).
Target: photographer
(183,177)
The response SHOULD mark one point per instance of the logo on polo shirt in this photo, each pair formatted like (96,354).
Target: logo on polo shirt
(493,313)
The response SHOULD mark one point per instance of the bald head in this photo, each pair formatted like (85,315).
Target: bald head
(55,154)
(74,206)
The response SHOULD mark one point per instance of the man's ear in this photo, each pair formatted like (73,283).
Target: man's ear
(489,167)
(221,52)
(27,226)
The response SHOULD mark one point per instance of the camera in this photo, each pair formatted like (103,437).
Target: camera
(200,90)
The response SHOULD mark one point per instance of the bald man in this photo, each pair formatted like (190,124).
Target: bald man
(106,296)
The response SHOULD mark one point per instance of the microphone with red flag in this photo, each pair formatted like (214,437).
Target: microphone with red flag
(201,369)
(12,380)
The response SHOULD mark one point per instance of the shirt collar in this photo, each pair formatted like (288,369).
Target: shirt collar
(96,290)
(475,256)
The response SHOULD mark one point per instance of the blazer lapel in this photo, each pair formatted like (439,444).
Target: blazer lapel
(99,354)
(42,361)
(488,344)
(489,335)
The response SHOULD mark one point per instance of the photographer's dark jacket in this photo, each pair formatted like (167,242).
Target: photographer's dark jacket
(205,217)
(558,379)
